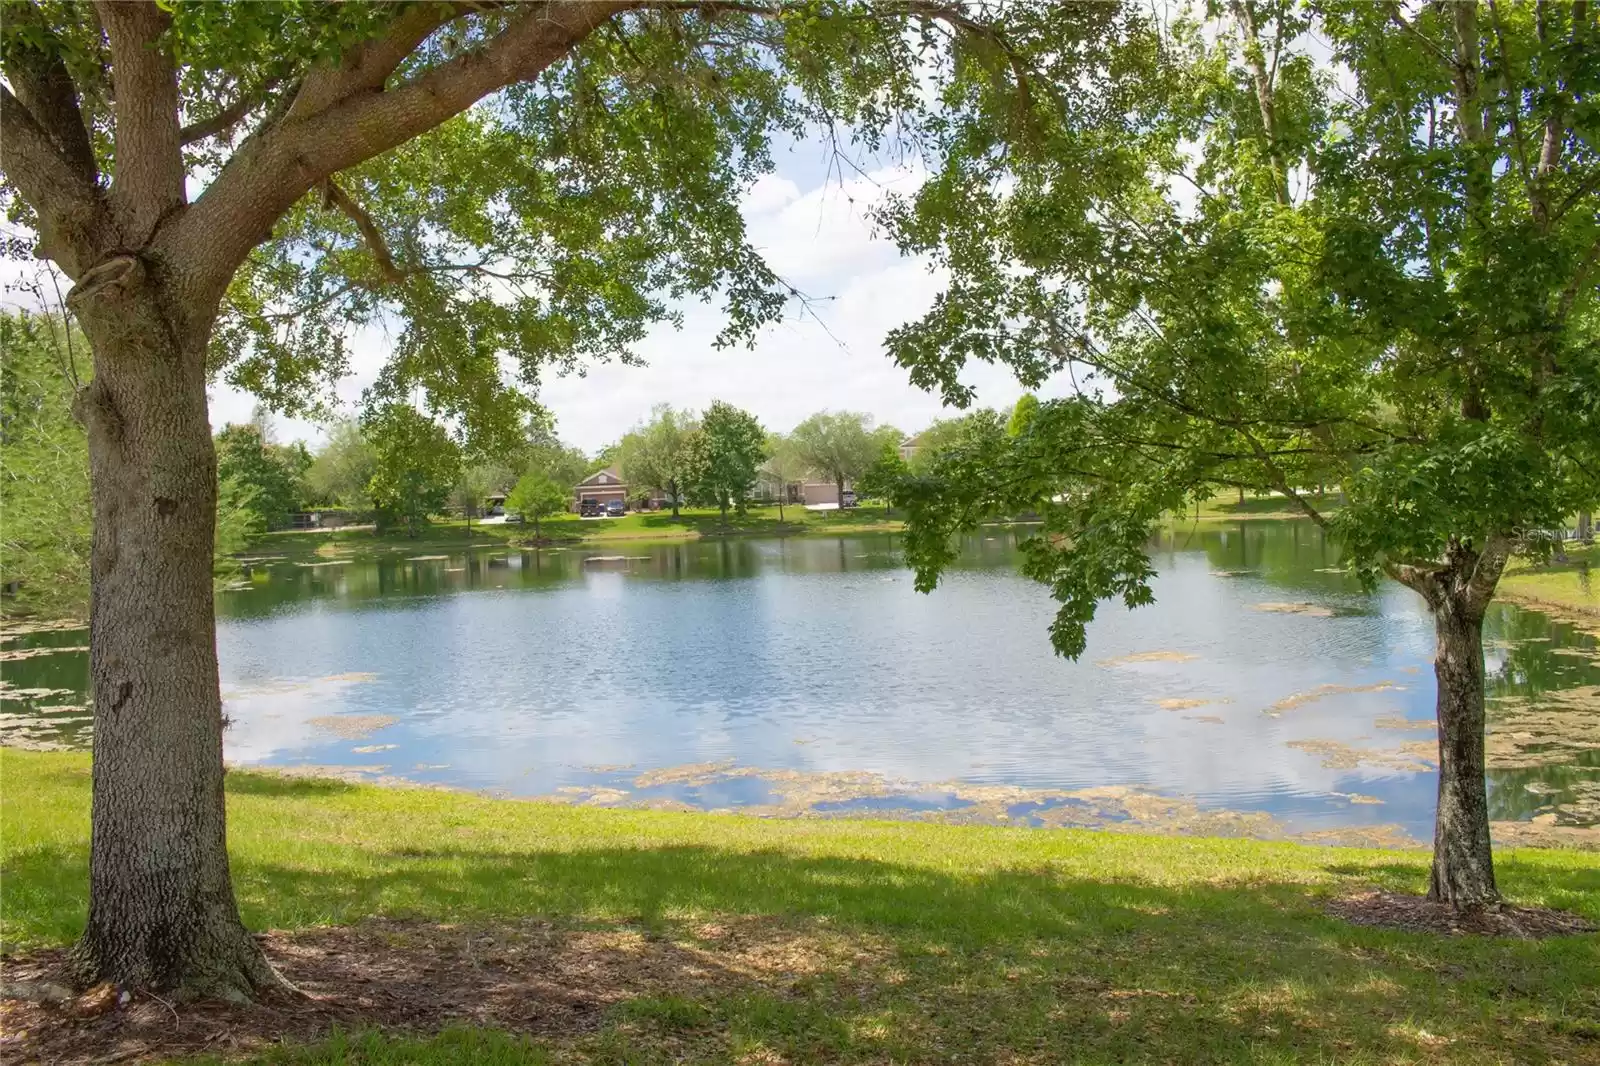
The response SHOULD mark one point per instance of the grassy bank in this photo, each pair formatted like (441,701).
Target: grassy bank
(707,938)
(1570,586)
(570,529)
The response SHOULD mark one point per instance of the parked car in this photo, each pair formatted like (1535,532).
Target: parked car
(589,509)
(616,509)
(849,499)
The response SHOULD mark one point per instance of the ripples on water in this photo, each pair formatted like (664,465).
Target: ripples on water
(1285,690)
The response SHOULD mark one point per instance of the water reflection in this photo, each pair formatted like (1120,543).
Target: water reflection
(1263,680)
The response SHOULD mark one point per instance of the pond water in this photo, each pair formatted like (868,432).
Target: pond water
(1263,694)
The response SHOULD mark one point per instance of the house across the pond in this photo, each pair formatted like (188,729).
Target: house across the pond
(601,487)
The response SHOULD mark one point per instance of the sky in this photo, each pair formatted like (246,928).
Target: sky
(811,223)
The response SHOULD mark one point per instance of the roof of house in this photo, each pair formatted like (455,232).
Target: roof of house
(607,477)
(913,441)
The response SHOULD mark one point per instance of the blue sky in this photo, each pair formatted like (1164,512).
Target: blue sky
(811,223)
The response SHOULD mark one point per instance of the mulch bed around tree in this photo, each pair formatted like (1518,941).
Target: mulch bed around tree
(410,976)
(1418,914)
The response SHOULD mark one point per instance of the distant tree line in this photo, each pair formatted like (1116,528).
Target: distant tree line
(397,467)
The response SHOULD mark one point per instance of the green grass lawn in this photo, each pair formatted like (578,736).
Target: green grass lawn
(1573,584)
(900,942)
(1227,508)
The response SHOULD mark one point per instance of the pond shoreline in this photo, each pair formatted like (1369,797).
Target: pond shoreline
(1120,809)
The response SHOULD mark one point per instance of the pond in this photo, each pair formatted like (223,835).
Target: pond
(1264,694)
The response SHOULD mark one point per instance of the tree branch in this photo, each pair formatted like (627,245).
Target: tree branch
(367,66)
(1555,126)
(1584,189)
(1486,571)
(1570,294)
(1513,95)
(1401,21)
(44,87)
(149,175)
(1423,580)
(271,171)
(335,197)
(73,221)
(228,117)
(1255,60)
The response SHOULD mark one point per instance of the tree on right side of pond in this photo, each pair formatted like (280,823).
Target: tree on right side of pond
(837,445)
(1378,272)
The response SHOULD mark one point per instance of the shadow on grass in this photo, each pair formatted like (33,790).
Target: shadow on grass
(245,783)
(844,959)
(1571,888)
(1012,960)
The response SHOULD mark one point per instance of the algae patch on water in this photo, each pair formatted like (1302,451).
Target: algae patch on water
(11,655)
(1396,722)
(1313,610)
(352,726)
(1138,657)
(1181,704)
(1552,729)
(859,793)
(1322,692)
(1416,757)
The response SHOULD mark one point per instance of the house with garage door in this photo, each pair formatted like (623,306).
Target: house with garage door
(601,487)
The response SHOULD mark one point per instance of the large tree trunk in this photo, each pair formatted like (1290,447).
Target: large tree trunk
(161,908)
(1463,861)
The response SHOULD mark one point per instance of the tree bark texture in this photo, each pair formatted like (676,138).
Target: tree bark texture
(1458,592)
(1463,859)
(162,914)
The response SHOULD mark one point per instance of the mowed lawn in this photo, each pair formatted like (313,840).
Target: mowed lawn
(855,941)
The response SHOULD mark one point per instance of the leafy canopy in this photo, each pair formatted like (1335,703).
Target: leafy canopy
(341,471)
(1271,270)
(271,476)
(559,219)
(657,455)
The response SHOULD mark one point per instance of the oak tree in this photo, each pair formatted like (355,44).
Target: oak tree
(415,464)
(517,186)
